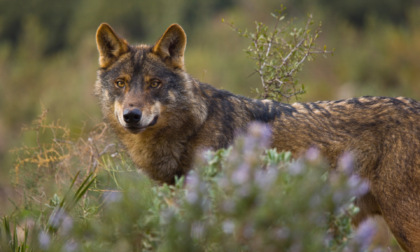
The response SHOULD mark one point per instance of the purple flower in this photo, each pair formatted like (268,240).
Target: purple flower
(191,196)
(228,227)
(265,178)
(259,135)
(296,167)
(365,232)
(60,219)
(57,217)
(241,174)
(197,229)
(346,162)
(312,154)
(70,246)
(192,180)
(44,240)
(357,185)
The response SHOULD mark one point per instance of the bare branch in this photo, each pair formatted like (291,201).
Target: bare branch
(280,53)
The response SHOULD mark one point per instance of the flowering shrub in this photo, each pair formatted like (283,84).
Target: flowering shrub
(245,198)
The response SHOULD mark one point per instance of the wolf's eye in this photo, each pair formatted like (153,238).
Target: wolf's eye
(120,83)
(155,83)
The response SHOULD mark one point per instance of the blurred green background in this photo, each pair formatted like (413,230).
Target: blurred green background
(48,56)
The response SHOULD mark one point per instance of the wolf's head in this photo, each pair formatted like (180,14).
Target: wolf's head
(144,87)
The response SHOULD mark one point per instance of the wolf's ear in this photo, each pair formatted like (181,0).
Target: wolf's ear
(110,46)
(171,46)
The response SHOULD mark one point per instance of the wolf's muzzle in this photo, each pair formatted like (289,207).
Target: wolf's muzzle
(132,116)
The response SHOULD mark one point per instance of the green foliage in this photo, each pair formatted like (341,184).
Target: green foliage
(279,54)
(245,198)
(68,202)
(359,11)
(62,21)
(13,241)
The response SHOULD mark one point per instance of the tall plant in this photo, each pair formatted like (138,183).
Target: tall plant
(279,53)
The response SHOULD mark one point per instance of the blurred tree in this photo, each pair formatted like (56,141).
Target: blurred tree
(357,11)
(53,15)
(68,21)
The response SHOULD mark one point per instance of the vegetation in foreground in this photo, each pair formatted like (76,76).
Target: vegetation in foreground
(245,198)
(85,195)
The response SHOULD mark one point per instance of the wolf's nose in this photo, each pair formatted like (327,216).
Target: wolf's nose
(132,116)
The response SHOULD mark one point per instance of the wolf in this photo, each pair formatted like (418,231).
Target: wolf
(163,117)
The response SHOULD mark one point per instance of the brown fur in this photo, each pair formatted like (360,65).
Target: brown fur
(163,117)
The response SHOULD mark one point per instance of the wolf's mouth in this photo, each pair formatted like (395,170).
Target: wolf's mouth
(138,128)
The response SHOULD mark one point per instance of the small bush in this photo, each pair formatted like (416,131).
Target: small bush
(279,53)
(245,198)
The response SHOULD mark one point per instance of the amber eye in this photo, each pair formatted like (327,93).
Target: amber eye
(120,83)
(155,83)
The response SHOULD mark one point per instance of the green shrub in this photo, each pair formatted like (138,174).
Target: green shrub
(279,53)
(245,198)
